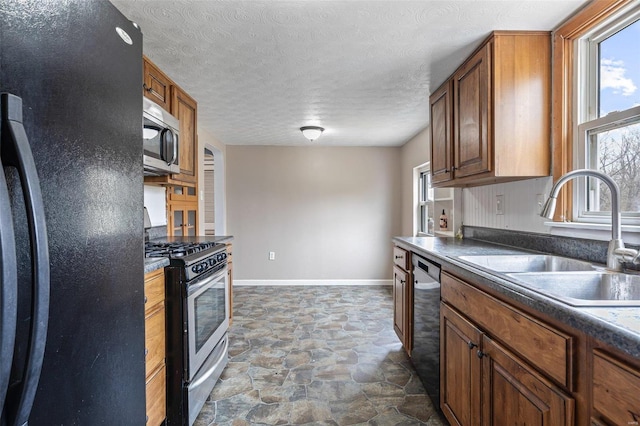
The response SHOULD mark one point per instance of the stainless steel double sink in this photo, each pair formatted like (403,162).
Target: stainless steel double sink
(570,281)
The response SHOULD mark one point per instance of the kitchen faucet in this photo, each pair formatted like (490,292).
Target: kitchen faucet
(616,251)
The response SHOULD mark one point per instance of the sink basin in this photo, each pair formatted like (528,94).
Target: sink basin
(528,263)
(585,288)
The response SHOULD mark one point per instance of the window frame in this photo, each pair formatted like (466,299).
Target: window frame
(565,97)
(423,172)
(588,108)
(611,121)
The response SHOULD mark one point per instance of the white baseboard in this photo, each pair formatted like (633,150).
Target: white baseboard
(309,282)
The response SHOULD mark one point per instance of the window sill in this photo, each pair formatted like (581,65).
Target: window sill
(593,231)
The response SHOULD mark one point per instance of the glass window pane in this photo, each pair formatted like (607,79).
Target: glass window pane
(619,71)
(177,218)
(616,153)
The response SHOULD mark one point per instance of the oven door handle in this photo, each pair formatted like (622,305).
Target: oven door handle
(195,288)
(212,370)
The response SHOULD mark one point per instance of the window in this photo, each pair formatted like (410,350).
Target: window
(607,137)
(425,201)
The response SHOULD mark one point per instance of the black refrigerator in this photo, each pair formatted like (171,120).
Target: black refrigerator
(71,208)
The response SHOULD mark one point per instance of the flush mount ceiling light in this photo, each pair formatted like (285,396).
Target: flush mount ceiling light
(311,132)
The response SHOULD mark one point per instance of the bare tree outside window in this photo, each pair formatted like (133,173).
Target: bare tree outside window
(618,155)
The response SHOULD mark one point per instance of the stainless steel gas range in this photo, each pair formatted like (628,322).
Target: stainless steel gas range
(197,307)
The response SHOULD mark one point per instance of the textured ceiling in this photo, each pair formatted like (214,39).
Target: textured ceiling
(362,69)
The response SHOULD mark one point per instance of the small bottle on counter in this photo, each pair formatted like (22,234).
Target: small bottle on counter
(430,226)
(443,221)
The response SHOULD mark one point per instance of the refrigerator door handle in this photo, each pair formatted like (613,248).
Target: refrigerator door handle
(16,152)
(8,289)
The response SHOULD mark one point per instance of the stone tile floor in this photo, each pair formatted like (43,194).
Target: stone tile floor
(318,355)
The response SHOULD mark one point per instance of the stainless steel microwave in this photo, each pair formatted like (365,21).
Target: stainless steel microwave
(161,140)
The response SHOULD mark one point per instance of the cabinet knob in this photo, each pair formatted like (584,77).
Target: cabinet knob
(402,281)
(471,345)
(146,351)
(399,257)
(481,354)
(145,299)
(145,87)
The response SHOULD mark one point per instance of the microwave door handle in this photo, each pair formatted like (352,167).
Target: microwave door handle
(16,152)
(8,289)
(165,136)
(176,139)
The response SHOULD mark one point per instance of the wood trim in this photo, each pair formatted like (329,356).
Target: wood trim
(562,99)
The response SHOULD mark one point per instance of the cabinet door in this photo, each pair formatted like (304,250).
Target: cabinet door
(183,220)
(441,161)
(400,305)
(156,395)
(616,390)
(157,85)
(513,394)
(184,108)
(460,368)
(472,148)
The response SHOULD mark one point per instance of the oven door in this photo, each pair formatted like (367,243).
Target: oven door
(207,317)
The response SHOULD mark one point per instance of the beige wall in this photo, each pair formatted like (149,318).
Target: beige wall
(414,153)
(328,213)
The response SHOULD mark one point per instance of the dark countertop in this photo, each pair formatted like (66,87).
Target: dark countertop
(616,326)
(153,263)
(221,239)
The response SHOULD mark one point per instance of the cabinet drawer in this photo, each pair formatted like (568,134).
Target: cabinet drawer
(616,389)
(153,290)
(154,341)
(156,395)
(542,346)
(402,258)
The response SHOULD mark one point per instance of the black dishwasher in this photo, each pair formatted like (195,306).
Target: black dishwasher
(425,355)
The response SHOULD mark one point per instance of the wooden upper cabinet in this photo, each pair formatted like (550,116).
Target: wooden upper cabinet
(156,85)
(500,113)
(440,107)
(470,111)
(184,107)
(162,90)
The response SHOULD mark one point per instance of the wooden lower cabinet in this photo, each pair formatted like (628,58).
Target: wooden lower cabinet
(155,348)
(514,394)
(615,391)
(157,397)
(460,368)
(505,363)
(482,382)
(403,297)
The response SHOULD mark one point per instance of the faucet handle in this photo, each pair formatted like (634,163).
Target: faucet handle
(627,255)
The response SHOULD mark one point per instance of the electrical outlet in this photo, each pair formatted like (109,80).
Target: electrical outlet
(272,255)
(499,204)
